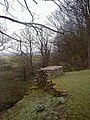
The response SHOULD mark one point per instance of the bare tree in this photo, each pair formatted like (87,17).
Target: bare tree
(4,40)
(23,51)
(27,36)
(24,6)
(72,9)
(76,12)
(44,44)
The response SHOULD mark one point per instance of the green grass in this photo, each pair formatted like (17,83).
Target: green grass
(78,86)
(38,105)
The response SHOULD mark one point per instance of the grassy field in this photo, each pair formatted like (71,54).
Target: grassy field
(78,86)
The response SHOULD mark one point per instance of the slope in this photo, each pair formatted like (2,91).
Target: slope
(37,105)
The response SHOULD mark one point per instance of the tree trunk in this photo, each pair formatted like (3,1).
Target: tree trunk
(89,54)
(88,31)
(88,39)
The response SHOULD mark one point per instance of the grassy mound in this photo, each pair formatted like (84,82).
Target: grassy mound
(78,86)
(38,105)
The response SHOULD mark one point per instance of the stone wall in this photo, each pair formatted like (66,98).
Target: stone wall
(43,81)
(53,70)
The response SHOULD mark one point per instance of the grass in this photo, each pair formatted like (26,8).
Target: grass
(78,86)
(38,105)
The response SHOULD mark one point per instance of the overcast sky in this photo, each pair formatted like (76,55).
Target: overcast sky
(41,11)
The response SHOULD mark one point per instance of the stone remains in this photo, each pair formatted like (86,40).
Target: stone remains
(53,70)
(43,81)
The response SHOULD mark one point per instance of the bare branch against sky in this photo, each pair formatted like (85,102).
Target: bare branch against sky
(32,13)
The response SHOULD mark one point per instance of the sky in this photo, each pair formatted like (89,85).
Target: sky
(40,10)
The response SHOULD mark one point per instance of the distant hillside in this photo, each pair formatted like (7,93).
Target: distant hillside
(13,54)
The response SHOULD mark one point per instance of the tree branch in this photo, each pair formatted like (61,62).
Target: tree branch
(9,36)
(35,1)
(29,10)
(34,25)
